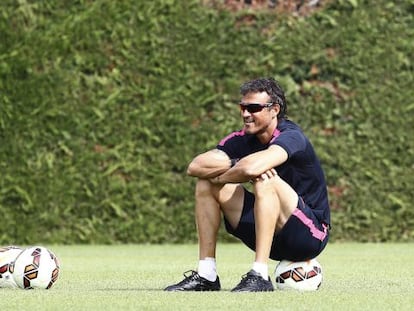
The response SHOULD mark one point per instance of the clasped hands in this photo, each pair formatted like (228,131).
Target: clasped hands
(267,175)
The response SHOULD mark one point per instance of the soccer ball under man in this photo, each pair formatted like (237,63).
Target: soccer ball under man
(35,267)
(7,255)
(301,275)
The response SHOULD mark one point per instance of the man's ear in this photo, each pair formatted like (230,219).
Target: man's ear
(275,110)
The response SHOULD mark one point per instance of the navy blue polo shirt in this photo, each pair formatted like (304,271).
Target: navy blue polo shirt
(302,170)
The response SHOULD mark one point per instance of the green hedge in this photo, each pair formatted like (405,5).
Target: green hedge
(103,104)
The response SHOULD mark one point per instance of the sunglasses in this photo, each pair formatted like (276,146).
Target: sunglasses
(253,108)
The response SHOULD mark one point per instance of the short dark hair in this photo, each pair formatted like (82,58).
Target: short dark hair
(272,88)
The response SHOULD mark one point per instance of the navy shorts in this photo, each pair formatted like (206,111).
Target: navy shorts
(303,237)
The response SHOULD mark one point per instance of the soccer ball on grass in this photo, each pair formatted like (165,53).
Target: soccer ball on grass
(35,267)
(301,275)
(7,255)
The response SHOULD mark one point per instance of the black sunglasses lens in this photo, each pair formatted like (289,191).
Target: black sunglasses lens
(252,108)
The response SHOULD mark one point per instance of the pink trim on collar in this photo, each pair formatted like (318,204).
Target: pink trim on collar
(275,135)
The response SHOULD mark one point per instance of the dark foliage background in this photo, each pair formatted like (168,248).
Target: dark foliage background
(103,104)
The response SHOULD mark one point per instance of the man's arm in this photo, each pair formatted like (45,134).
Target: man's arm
(209,164)
(253,165)
(216,165)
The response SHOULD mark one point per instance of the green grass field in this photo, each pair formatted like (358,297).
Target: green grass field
(131,277)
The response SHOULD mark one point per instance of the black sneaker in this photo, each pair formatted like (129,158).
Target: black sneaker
(253,282)
(194,282)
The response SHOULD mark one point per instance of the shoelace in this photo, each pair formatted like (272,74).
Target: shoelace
(249,278)
(194,275)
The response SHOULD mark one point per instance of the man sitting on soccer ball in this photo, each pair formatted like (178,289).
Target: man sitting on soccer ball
(286,217)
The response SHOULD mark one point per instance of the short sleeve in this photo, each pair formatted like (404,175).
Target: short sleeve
(292,141)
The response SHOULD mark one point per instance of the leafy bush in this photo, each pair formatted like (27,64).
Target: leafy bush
(104,103)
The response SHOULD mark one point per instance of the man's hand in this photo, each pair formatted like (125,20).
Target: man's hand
(266,175)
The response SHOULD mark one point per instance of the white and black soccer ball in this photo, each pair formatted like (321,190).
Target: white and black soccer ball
(7,256)
(36,267)
(301,275)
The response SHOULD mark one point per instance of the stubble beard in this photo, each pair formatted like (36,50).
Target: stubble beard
(251,128)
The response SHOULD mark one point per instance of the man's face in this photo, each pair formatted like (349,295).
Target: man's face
(257,113)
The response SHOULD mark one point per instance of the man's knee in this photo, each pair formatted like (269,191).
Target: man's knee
(205,187)
(202,186)
(265,187)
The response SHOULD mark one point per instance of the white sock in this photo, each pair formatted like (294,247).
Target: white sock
(207,268)
(262,269)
